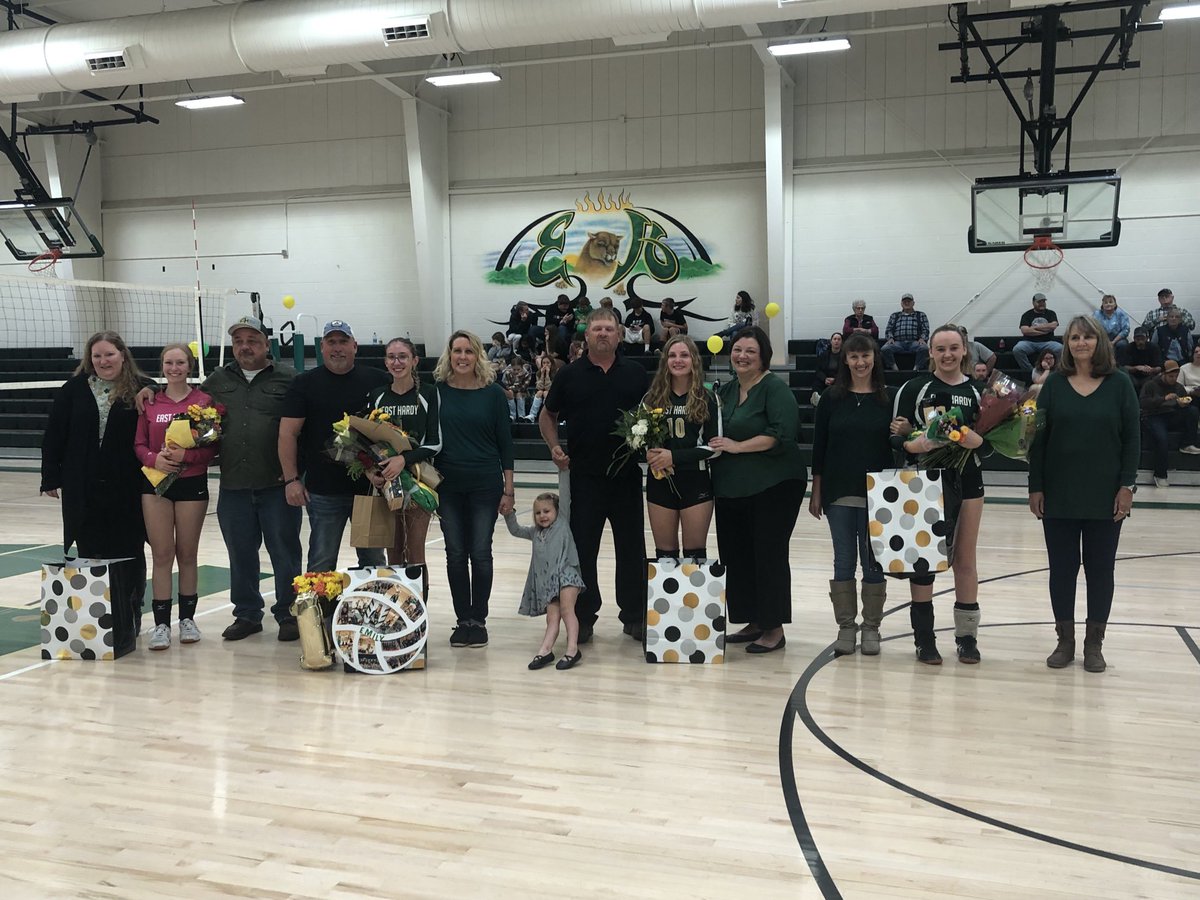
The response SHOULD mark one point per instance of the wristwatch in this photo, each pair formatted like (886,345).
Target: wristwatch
(1132,488)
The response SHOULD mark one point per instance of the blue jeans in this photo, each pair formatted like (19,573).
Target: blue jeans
(248,517)
(468,520)
(848,528)
(1159,428)
(327,518)
(920,351)
(1022,350)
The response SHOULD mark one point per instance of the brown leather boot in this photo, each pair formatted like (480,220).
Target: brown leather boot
(1064,653)
(1093,641)
(845,607)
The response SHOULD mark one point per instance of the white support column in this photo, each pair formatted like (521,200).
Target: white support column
(778,120)
(65,154)
(426,134)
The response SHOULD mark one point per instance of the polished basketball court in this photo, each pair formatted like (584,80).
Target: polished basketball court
(225,769)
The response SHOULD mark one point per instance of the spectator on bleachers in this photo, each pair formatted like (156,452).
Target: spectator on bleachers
(1173,338)
(1166,301)
(499,349)
(744,315)
(980,372)
(560,320)
(978,354)
(907,332)
(858,322)
(639,325)
(541,384)
(1189,375)
(828,363)
(1037,329)
(671,321)
(523,323)
(1143,360)
(575,351)
(1167,407)
(1045,364)
(515,381)
(1116,324)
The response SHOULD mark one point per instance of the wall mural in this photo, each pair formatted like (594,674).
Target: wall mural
(603,247)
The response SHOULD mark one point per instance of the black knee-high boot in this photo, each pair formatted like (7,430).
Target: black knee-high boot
(921,617)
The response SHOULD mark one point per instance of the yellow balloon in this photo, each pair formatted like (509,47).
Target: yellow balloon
(194,346)
(771,309)
(288,301)
(715,344)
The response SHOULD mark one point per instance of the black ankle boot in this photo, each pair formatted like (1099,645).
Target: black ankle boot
(921,617)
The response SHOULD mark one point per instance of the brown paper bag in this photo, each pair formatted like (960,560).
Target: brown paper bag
(372,522)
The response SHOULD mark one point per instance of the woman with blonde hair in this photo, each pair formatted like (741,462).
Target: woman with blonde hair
(678,481)
(476,462)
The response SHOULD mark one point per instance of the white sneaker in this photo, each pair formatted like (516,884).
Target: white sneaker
(1191,448)
(160,638)
(188,632)
(1161,482)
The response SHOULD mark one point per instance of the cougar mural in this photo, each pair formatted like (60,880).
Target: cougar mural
(597,260)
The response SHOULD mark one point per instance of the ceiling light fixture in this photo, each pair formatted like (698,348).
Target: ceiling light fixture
(796,48)
(462,78)
(210,102)
(1174,13)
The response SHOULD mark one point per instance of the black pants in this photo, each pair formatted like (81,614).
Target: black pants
(753,534)
(1099,539)
(596,499)
(1159,428)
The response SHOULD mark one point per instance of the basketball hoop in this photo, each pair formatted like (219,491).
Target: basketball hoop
(44,262)
(1044,257)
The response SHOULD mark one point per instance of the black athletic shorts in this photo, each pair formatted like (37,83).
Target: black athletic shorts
(193,487)
(692,488)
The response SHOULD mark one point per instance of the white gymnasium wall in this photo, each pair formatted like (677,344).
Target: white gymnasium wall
(482,224)
(886,147)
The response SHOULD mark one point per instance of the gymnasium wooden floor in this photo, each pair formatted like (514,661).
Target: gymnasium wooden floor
(225,770)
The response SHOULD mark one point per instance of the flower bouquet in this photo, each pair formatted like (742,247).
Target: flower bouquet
(199,426)
(367,442)
(1007,418)
(641,429)
(315,596)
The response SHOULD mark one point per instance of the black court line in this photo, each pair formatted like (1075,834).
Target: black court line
(797,708)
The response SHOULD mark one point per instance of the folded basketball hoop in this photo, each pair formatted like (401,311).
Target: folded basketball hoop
(1044,256)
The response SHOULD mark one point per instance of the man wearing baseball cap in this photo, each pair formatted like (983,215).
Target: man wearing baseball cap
(1143,359)
(1037,329)
(1167,407)
(251,507)
(907,332)
(316,400)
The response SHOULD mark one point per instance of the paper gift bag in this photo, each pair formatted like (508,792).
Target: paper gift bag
(381,623)
(89,608)
(910,519)
(372,522)
(685,611)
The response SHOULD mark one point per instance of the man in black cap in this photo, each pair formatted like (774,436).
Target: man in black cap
(1167,407)
(1037,329)
(316,400)
(1143,360)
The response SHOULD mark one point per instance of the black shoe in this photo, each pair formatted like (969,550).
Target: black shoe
(585,633)
(743,637)
(477,636)
(568,661)
(288,630)
(637,631)
(460,636)
(541,661)
(763,648)
(241,628)
(927,651)
(968,648)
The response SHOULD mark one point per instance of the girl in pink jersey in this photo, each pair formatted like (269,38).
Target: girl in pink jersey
(174,520)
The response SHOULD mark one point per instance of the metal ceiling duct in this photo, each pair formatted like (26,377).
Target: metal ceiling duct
(298,35)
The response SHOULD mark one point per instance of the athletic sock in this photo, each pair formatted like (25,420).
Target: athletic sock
(966,619)
(162,611)
(187,606)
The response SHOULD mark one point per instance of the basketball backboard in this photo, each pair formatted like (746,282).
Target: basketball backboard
(1072,210)
(30,230)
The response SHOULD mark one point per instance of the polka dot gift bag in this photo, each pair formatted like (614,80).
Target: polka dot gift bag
(685,611)
(90,608)
(911,514)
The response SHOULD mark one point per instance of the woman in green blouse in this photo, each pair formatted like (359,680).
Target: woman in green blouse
(1081,479)
(758,481)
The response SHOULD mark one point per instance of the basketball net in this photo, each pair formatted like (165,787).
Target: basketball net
(1043,258)
(43,263)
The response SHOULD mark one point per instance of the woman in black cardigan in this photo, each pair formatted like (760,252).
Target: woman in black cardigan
(87,454)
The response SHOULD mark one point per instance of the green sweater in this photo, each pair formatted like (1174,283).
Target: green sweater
(769,409)
(477,445)
(1087,448)
(852,438)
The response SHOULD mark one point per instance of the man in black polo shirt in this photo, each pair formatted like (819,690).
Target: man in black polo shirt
(589,395)
(316,400)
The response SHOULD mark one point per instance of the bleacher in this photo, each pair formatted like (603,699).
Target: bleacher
(24,413)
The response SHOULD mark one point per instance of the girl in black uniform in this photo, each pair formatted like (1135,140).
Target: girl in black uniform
(947,385)
(692,418)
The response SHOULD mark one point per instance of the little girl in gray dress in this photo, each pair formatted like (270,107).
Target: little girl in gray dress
(553,583)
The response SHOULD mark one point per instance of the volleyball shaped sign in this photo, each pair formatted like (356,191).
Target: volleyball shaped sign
(380,627)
